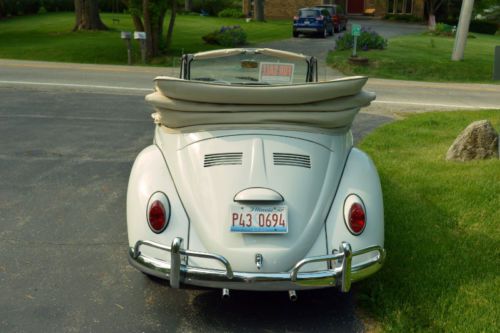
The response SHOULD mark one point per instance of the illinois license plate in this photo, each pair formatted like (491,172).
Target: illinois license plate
(259,219)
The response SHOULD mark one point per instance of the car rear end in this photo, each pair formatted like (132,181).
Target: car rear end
(339,20)
(255,209)
(310,21)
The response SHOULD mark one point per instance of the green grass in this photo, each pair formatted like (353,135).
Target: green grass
(424,58)
(49,37)
(442,272)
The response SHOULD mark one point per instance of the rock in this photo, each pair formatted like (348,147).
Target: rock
(478,141)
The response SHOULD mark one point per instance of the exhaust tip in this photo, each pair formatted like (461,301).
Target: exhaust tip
(292,295)
(225,293)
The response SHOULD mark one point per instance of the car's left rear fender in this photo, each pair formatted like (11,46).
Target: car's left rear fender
(150,175)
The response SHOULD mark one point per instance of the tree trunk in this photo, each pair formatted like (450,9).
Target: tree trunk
(135,13)
(259,10)
(433,6)
(171,23)
(87,16)
(153,26)
(188,5)
(146,15)
(431,23)
(138,26)
(2,10)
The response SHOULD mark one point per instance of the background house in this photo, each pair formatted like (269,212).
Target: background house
(288,8)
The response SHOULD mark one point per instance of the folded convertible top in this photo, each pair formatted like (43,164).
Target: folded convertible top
(330,104)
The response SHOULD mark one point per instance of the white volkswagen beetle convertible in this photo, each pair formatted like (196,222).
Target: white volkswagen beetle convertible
(252,181)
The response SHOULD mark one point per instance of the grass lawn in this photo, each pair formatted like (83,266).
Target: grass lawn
(49,37)
(442,272)
(424,58)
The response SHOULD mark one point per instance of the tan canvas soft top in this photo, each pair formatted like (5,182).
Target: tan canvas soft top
(331,104)
(219,93)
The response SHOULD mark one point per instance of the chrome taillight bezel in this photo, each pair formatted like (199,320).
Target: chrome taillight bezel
(163,199)
(350,200)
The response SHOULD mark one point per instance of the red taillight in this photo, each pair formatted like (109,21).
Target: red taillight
(295,18)
(357,218)
(335,19)
(157,217)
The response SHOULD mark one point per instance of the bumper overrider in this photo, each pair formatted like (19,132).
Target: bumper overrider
(340,275)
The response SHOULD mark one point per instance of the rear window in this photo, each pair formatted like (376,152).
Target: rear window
(337,9)
(309,13)
(330,10)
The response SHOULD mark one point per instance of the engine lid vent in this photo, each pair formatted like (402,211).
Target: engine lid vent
(222,159)
(297,160)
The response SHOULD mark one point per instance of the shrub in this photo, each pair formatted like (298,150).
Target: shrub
(368,40)
(231,12)
(402,17)
(227,36)
(59,5)
(212,7)
(483,27)
(442,29)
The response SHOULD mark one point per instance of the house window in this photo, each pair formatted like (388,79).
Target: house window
(399,6)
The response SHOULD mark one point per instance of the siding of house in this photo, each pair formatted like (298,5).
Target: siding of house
(282,9)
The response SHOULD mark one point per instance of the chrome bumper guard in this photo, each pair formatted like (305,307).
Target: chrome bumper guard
(178,273)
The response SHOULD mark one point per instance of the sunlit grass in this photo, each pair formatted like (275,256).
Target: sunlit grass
(48,37)
(426,58)
(442,272)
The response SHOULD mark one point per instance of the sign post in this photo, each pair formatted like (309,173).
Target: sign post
(496,65)
(125,35)
(141,36)
(355,31)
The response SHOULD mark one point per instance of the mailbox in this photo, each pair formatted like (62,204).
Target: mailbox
(126,35)
(141,35)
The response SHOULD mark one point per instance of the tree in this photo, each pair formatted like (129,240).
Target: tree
(170,31)
(87,16)
(149,16)
(3,12)
(259,10)
(135,10)
(432,7)
(188,5)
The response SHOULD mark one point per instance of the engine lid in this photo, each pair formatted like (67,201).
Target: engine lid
(213,174)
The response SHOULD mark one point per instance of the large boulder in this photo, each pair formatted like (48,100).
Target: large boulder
(478,141)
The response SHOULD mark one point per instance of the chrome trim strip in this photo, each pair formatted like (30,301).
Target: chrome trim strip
(341,276)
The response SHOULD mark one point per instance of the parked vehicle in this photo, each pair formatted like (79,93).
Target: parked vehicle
(252,181)
(312,21)
(338,16)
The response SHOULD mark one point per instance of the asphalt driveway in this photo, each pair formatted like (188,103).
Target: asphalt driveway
(319,47)
(65,158)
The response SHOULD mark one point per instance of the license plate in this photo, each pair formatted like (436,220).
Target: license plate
(306,22)
(259,219)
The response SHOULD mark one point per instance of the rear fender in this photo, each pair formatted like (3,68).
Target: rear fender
(149,175)
(360,177)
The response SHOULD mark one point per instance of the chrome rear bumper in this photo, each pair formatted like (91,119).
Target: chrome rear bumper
(178,273)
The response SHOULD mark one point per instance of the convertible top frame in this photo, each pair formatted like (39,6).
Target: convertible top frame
(312,63)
